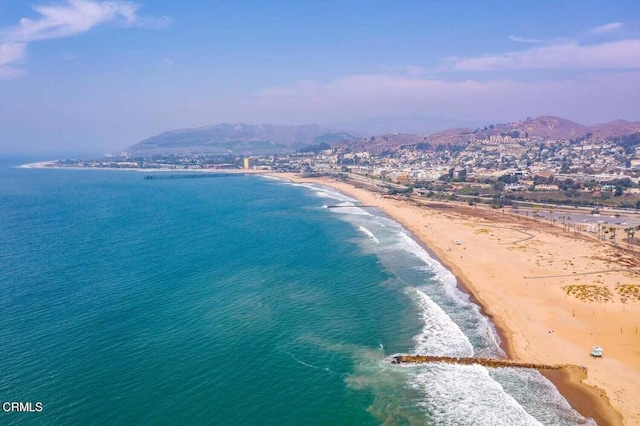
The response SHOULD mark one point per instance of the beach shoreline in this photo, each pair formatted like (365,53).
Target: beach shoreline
(534,326)
(540,327)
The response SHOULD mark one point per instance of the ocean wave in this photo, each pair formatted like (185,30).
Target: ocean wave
(368,233)
(269,177)
(325,192)
(453,325)
(440,335)
(467,395)
(477,323)
(351,210)
(538,396)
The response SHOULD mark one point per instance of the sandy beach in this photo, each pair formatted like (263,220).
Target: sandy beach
(551,293)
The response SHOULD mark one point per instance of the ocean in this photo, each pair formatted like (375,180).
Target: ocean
(236,300)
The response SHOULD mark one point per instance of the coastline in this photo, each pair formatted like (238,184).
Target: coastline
(52,165)
(538,325)
(531,329)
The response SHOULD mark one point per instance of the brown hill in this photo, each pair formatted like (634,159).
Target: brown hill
(268,138)
(394,141)
(553,128)
(614,129)
(238,138)
(546,127)
(386,142)
(556,128)
(450,136)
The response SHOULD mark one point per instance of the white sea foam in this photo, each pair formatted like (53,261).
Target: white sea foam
(336,195)
(449,284)
(346,204)
(323,195)
(350,210)
(440,335)
(538,396)
(442,274)
(325,192)
(269,177)
(368,233)
(394,243)
(467,395)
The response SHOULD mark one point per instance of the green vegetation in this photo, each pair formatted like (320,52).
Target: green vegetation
(315,148)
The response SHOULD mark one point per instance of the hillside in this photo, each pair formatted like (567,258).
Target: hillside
(237,138)
(614,129)
(556,128)
(273,139)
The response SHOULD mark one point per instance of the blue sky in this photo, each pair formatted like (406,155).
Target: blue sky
(98,76)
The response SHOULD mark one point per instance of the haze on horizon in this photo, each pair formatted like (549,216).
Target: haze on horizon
(98,76)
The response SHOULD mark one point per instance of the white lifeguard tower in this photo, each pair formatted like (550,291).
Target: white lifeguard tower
(596,352)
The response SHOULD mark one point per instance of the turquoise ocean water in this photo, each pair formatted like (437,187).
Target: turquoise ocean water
(239,300)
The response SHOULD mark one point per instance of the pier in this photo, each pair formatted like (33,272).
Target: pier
(337,206)
(486,362)
(195,176)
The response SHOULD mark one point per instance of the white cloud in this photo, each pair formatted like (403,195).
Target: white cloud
(524,39)
(607,28)
(622,54)
(70,18)
(65,19)
(10,54)
(167,62)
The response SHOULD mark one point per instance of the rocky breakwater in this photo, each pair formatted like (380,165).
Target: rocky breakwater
(487,362)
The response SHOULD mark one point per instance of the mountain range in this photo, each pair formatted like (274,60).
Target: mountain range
(243,138)
(238,138)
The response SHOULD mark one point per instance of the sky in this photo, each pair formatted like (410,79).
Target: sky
(99,76)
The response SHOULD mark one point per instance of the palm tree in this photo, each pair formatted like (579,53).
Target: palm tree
(612,229)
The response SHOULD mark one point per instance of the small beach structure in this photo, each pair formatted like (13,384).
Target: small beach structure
(596,352)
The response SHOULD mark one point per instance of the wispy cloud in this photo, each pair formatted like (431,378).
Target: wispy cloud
(607,28)
(70,18)
(65,19)
(622,54)
(11,54)
(525,40)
